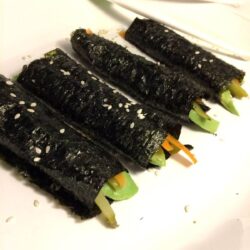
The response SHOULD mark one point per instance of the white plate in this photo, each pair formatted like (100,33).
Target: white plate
(205,206)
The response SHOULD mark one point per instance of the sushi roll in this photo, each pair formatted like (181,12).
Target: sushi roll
(170,48)
(122,125)
(72,168)
(170,91)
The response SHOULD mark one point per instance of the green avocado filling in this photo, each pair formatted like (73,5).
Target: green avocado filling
(158,158)
(114,191)
(200,118)
(120,187)
(226,100)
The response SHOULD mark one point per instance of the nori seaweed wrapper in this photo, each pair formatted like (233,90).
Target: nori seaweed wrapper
(163,44)
(97,109)
(159,87)
(51,150)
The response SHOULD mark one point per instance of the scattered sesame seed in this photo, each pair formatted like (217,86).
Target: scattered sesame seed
(132,125)
(105,99)
(166,30)
(204,59)
(31,110)
(89,72)
(8,82)
(12,94)
(51,62)
(78,38)
(17,116)
(94,78)
(211,60)
(38,150)
(22,102)
(197,52)
(33,104)
(139,111)
(31,147)
(36,203)
(83,82)
(120,105)
(199,66)
(105,105)
(33,80)
(66,73)
(127,110)
(109,107)
(37,159)
(115,91)
(9,219)
(186,208)
(141,116)
(47,149)
(62,130)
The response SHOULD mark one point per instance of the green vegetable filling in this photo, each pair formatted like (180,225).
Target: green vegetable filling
(158,158)
(204,121)
(236,90)
(226,100)
(115,191)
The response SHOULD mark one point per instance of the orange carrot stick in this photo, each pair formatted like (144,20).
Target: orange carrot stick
(176,143)
(119,178)
(167,146)
(122,33)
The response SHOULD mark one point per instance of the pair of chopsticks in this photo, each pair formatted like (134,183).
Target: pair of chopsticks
(212,43)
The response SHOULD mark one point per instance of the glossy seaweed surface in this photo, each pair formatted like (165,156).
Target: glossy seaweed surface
(96,108)
(56,157)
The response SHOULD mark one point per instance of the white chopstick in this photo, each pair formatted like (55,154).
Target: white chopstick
(215,44)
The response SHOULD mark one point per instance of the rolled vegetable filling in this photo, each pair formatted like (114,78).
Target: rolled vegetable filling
(172,146)
(200,118)
(119,187)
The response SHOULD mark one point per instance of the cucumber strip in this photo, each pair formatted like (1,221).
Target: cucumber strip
(236,90)
(106,209)
(209,125)
(115,192)
(226,100)
(158,158)
(197,108)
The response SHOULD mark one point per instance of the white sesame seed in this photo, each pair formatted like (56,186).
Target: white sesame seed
(31,147)
(38,150)
(166,31)
(89,72)
(47,149)
(94,78)
(211,60)
(197,52)
(51,62)
(78,38)
(8,82)
(115,91)
(139,111)
(36,203)
(109,107)
(105,99)
(66,73)
(127,110)
(12,94)
(82,82)
(199,66)
(62,130)
(105,105)
(120,105)
(204,59)
(33,80)
(37,159)
(22,102)
(141,116)
(31,110)
(17,116)
(132,125)
(33,104)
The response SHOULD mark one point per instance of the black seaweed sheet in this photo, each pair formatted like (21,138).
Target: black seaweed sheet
(159,87)
(97,109)
(166,46)
(52,152)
